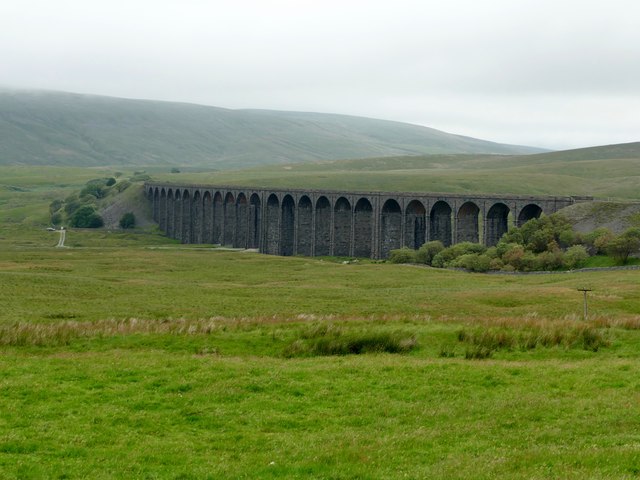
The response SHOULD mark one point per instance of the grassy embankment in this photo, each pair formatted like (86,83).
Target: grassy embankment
(130,356)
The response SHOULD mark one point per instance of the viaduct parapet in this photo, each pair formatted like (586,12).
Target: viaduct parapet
(337,223)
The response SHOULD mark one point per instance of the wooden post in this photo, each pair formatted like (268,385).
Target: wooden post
(586,310)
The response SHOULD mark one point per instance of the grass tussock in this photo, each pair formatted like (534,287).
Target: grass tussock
(511,334)
(62,333)
(323,339)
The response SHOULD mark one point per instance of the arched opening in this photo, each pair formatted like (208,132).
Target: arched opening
(323,227)
(363,229)
(440,223)
(391,226)
(529,212)
(186,217)
(162,211)
(254,221)
(177,215)
(342,228)
(171,218)
(156,205)
(305,224)
(497,224)
(229,219)
(467,229)
(415,225)
(207,218)
(273,225)
(242,227)
(196,218)
(218,218)
(287,229)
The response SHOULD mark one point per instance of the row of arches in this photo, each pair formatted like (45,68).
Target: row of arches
(319,225)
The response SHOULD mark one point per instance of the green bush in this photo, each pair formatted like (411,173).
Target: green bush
(86,217)
(576,256)
(625,245)
(429,250)
(403,255)
(551,260)
(110,182)
(55,206)
(446,257)
(93,189)
(473,262)
(56,218)
(128,220)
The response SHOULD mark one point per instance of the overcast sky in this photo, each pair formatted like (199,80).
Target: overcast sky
(550,73)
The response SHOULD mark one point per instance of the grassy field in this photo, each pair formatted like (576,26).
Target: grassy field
(124,358)
(602,172)
(127,355)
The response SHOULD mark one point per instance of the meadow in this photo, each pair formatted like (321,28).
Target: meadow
(127,355)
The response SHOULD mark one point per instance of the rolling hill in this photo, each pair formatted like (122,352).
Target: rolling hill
(604,172)
(52,128)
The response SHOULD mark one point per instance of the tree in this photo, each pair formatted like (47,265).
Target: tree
(624,245)
(128,220)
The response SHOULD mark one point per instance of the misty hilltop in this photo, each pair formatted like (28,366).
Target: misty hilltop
(52,128)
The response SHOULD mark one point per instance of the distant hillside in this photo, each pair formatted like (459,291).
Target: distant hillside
(611,171)
(50,128)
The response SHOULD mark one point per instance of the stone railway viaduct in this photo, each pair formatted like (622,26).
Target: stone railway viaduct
(326,222)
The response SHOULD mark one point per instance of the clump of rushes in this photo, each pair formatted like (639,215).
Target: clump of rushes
(482,342)
(329,339)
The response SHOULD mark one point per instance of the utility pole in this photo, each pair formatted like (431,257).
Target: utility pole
(586,310)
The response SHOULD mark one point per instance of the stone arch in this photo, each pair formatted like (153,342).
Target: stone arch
(305,226)
(440,223)
(218,218)
(241,221)
(171,217)
(467,229)
(415,225)
(363,229)
(497,223)
(528,212)
(207,218)
(229,219)
(323,227)
(342,228)
(391,227)
(273,225)
(255,219)
(156,204)
(196,217)
(177,215)
(162,211)
(287,226)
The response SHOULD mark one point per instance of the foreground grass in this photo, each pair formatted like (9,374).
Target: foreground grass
(132,357)
(142,414)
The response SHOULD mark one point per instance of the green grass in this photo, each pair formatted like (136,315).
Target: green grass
(603,172)
(141,361)
(130,356)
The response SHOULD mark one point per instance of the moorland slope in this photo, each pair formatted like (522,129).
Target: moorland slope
(65,129)
(607,172)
